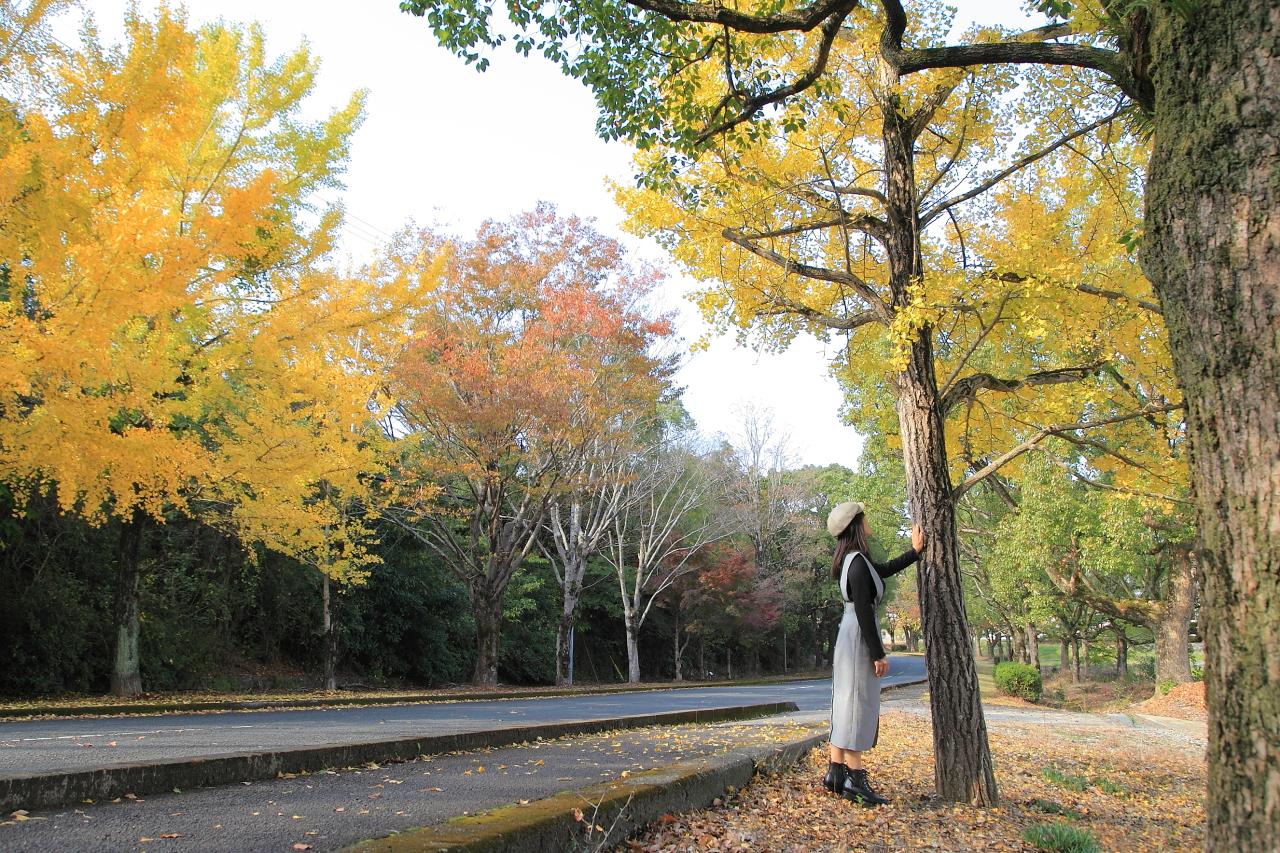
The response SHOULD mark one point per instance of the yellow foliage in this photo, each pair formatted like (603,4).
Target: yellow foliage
(1028,277)
(168,337)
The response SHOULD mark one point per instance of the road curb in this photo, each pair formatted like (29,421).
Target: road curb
(58,789)
(619,808)
(156,708)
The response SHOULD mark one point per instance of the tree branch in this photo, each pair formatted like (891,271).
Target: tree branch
(1031,47)
(755,103)
(968,387)
(802,19)
(865,222)
(1034,441)
(879,310)
(934,212)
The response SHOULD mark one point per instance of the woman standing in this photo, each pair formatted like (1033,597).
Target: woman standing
(859,662)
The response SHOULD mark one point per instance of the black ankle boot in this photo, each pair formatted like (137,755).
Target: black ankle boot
(857,789)
(834,779)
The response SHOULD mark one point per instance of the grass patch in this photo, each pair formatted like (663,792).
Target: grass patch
(1109,787)
(1060,838)
(1065,780)
(1072,782)
(1051,807)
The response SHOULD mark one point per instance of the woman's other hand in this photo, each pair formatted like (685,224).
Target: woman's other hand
(917,537)
(881,667)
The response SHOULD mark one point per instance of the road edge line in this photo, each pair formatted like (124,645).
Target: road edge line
(143,709)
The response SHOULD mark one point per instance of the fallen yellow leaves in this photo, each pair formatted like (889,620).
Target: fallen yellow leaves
(1138,797)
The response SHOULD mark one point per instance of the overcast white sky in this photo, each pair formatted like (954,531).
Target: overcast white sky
(444,143)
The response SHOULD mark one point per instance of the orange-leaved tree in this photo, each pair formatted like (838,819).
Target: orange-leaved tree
(536,343)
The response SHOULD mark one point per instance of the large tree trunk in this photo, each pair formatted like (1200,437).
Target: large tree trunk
(1122,654)
(1212,251)
(1173,622)
(487,612)
(962,761)
(126,673)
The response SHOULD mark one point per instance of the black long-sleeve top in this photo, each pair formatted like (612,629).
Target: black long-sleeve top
(860,589)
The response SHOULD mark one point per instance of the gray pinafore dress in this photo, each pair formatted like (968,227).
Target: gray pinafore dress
(855,689)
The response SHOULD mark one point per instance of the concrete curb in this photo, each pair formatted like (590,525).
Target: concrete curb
(620,807)
(58,789)
(145,709)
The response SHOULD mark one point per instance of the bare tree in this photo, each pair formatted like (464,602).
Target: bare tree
(578,524)
(670,519)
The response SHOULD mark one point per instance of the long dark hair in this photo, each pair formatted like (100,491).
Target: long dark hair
(852,538)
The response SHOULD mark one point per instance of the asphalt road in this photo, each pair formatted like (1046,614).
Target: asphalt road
(330,810)
(34,747)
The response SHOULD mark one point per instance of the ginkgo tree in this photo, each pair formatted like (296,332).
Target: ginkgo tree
(1206,75)
(986,306)
(171,340)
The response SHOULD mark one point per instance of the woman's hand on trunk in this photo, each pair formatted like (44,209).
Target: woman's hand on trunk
(917,538)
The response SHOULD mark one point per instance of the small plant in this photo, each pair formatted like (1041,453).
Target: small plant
(1109,787)
(1165,685)
(1060,838)
(1065,780)
(1019,679)
(1050,807)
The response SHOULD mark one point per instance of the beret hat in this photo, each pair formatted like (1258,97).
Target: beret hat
(841,515)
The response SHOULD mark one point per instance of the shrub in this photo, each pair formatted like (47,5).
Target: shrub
(1165,685)
(1019,679)
(1060,838)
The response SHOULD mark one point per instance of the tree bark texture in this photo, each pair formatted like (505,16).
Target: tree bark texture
(330,638)
(574,570)
(1173,622)
(1033,645)
(1212,251)
(962,759)
(126,673)
(487,611)
(633,649)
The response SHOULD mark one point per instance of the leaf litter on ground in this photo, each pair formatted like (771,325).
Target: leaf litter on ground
(1138,797)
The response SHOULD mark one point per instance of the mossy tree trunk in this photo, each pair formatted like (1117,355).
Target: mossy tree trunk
(1212,250)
